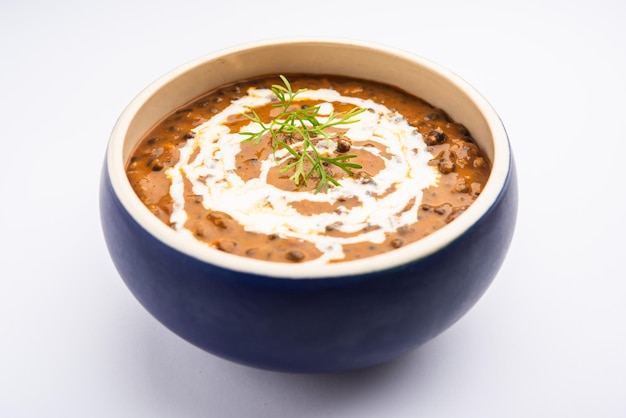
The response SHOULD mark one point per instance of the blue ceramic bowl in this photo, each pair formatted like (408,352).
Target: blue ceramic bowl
(288,317)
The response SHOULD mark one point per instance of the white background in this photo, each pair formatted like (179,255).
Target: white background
(548,339)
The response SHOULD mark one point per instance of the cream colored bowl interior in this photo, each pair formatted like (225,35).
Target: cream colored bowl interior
(412,73)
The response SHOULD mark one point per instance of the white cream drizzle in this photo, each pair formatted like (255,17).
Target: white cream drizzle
(263,208)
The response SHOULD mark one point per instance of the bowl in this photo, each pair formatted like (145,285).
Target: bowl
(289,317)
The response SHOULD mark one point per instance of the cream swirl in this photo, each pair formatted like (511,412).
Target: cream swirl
(208,163)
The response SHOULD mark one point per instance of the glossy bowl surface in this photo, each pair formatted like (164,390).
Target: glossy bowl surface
(290,317)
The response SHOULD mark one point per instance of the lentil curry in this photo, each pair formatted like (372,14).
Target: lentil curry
(417,171)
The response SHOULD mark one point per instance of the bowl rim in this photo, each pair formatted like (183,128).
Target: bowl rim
(501,166)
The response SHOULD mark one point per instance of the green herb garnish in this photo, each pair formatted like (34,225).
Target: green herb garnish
(301,126)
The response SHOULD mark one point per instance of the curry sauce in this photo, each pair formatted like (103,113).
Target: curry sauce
(419,170)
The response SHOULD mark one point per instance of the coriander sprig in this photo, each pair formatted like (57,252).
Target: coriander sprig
(301,124)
